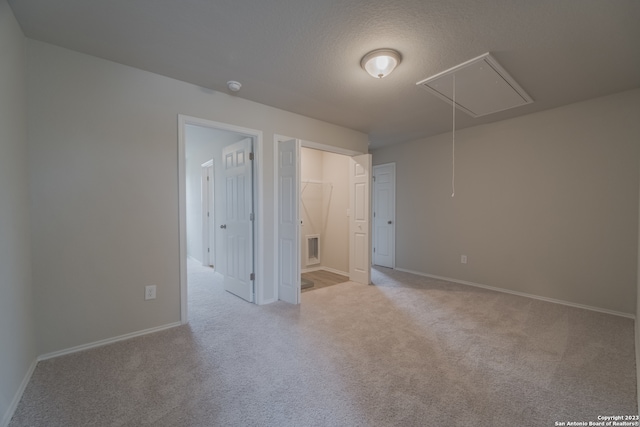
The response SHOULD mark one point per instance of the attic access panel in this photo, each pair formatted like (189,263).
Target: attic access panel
(482,87)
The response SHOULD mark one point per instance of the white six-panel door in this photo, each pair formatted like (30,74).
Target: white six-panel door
(360,219)
(237,229)
(384,222)
(288,221)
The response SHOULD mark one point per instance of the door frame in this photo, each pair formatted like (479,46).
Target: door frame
(305,144)
(208,214)
(258,202)
(393,209)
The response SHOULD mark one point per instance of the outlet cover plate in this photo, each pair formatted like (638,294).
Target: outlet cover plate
(150,292)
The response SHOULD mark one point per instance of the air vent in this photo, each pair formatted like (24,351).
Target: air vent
(482,87)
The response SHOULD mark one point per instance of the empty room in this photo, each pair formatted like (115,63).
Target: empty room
(465,175)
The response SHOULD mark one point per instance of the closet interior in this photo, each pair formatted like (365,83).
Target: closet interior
(324,218)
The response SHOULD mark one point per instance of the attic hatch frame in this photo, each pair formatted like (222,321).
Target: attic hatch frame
(500,76)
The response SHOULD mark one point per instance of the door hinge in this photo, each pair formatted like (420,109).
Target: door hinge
(207,177)
(208,250)
(374,250)
(207,213)
(251,216)
(374,178)
(250,156)
(252,276)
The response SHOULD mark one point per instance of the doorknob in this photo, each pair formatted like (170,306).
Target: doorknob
(389,222)
(223,226)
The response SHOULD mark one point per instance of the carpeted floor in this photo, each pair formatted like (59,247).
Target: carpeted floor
(407,351)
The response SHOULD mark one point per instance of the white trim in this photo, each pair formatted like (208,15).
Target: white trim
(16,397)
(106,341)
(276,205)
(258,193)
(521,294)
(182,217)
(208,217)
(259,228)
(329,148)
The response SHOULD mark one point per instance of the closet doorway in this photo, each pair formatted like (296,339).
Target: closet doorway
(324,218)
(323,213)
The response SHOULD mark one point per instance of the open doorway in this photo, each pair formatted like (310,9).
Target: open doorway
(218,204)
(291,242)
(324,218)
(205,202)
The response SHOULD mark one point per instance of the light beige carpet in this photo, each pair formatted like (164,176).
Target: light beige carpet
(408,351)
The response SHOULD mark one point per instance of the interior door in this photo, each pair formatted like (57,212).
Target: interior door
(288,221)
(384,202)
(238,226)
(360,219)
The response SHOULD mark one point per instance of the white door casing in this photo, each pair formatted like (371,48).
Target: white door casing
(238,226)
(288,164)
(360,219)
(384,223)
(208,217)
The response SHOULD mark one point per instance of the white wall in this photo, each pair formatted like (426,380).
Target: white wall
(17,333)
(104,167)
(545,204)
(324,207)
(311,200)
(335,251)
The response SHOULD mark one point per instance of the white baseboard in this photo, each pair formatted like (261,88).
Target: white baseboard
(16,398)
(521,294)
(106,341)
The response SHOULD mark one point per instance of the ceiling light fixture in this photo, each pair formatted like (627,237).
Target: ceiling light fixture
(380,62)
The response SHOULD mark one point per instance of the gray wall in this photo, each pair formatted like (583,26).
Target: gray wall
(17,335)
(104,158)
(545,204)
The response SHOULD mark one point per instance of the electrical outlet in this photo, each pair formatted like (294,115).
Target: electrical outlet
(463,259)
(150,292)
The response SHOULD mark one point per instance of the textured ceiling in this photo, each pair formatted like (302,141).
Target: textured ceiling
(303,55)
